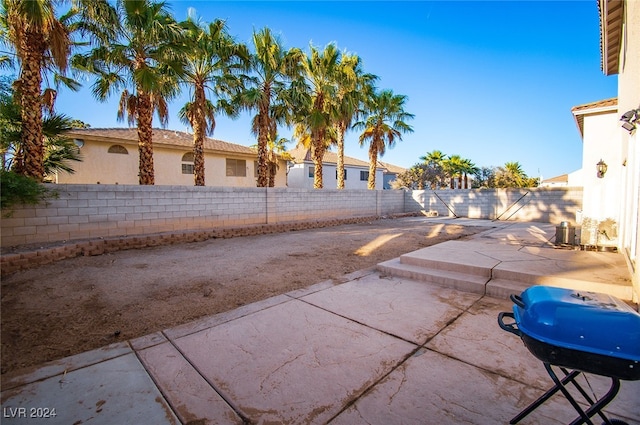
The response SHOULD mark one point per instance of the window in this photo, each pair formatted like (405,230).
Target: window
(364,176)
(345,173)
(236,168)
(187,163)
(312,171)
(118,149)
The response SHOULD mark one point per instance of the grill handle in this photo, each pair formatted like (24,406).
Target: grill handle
(509,327)
(517,300)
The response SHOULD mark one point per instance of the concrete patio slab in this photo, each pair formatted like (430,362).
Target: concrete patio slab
(190,395)
(67,364)
(431,388)
(292,363)
(114,392)
(407,309)
(365,349)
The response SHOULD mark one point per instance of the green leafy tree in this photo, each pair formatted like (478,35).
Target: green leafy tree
(484,177)
(213,59)
(415,178)
(385,123)
(145,55)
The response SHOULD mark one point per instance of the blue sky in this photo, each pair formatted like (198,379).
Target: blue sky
(490,81)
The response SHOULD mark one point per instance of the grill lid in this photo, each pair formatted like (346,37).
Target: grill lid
(586,321)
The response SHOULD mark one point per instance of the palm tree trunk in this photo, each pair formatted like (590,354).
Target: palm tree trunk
(317,154)
(145,138)
(273,169)
(373,161)
(264,128)
(342,128)
(31,162)
(199,124)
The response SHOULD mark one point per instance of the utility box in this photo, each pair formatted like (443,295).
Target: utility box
(565,234)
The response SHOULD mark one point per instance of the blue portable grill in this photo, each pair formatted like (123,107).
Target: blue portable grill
(585,332)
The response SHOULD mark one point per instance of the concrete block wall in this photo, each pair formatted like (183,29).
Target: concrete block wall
(103,211)
(106,211)
(548,205)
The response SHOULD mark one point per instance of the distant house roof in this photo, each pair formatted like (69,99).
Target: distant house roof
(301,155)
(564,178)
(160,137)
(611,17)
(390,168)
(607,105)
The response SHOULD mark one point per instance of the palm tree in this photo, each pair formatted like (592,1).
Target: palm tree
(274,68)
(39,39)
(145,56)
(42,42)
(453,167)
(435,162)
(468,167)
(276,149)
(353,88)
(384,124)
(318,113)
(211,59)
(511,175)
(57,149)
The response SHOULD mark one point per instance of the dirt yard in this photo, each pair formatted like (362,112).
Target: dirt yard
(84,303)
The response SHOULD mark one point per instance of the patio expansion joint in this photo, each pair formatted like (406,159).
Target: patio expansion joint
(226,399)
(419,350)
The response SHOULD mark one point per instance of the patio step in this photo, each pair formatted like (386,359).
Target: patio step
(452,279)
(424,259)
(479,274)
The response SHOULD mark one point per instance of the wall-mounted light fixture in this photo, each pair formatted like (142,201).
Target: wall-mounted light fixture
(629,119)
(601,167)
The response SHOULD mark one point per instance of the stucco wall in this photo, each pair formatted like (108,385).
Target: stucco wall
(600,142)
(100,166)
(629,99)
(99,211)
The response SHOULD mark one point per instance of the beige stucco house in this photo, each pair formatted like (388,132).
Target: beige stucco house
(620,50)
(110,156)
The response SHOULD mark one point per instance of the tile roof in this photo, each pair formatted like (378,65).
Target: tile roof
(391,168)
(564,178)
(599,104)
(580,110)
(301,154)
(160,137)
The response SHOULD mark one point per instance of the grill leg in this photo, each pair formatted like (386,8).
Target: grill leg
(546,396)
(560,384)
(583,416)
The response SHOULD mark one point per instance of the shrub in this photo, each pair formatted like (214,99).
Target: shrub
(19,189)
